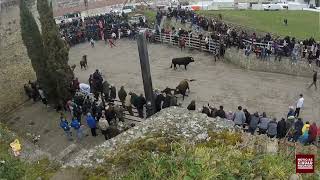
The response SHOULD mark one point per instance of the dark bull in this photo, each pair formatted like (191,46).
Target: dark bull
(181,61)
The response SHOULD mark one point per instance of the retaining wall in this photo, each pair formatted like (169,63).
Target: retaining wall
(238,58)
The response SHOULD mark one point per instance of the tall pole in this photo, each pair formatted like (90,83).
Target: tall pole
(146,74)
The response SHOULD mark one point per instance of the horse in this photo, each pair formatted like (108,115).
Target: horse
(83,62)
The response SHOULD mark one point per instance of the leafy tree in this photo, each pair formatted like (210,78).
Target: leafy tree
(32,39)
(61,74)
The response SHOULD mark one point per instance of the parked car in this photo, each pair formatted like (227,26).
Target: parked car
(136,19)
(128,9)
(272,7)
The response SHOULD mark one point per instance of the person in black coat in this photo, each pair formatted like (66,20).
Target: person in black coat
(122,94)
(298,125)
(192,106)
(166,101)
(141,101)
(206,110)
(248,116)
(220,113)
(281,129)
(110,114)
(113,92)
(158,101)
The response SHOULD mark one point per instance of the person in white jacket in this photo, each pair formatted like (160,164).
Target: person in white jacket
(128,104)
(299,105)
(104,126)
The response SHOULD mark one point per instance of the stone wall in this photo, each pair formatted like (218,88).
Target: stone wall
(238,58)
(15,66)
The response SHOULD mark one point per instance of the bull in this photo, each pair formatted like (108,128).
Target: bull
(181,61)
(182,88)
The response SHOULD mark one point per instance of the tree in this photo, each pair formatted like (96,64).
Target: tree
(60,72)
(32,39)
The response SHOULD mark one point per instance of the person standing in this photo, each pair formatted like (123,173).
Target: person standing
(298,125)
(263,124)
(299,105)
(128,104)
(43,97)
(92,43)
(113,92)
(104,126)
(92,124)
(66,128)
(140,104)
(272,128)
(220,113)
(239,118)
(255,119)
(312,133)
(122,94)
(281,129)
(75,124)
(315,78)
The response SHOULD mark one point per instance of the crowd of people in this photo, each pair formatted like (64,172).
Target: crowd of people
(102,27)
(291,127)
(262,46)
(110,26)
(96,101)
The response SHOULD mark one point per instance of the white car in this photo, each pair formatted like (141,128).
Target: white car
(127,9)
(272,7)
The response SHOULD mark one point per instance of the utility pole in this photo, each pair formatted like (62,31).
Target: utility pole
(146,74)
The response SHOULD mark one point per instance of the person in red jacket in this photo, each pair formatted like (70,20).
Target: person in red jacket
(313,132)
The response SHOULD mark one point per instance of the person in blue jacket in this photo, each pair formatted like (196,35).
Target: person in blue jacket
(76,126)
(65,126)
(92,124)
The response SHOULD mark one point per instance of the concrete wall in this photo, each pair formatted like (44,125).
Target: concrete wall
(238,58)
(15,66)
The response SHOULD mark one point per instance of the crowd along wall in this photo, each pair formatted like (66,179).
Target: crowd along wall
(237,57)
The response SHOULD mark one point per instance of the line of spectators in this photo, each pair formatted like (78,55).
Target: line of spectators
(292,127)
(262,46)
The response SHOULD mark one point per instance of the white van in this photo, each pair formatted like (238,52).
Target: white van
(272,7)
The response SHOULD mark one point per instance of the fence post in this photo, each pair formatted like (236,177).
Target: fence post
(189,40)
(160,37)
(170,38)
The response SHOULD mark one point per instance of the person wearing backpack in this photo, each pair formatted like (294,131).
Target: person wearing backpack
(65,126)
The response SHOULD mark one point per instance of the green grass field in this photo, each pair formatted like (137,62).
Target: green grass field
(301,24)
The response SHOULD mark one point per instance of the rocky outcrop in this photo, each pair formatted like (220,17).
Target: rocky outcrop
(174,121)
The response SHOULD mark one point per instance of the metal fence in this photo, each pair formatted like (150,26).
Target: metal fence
(190,42)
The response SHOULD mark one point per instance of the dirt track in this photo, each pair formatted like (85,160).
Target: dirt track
(216,83)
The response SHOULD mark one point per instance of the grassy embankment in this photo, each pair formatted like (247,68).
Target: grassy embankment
(301,24)
(168,157)
(12,168)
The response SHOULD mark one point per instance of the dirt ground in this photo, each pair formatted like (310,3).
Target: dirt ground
(216,83)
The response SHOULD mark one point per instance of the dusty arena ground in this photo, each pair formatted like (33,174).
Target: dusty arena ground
(216,83)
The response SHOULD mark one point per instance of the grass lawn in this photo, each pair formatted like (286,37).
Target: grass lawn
(301,24)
